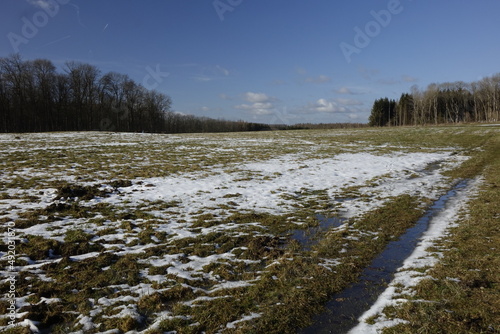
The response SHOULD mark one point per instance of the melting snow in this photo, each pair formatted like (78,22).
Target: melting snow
(408,276)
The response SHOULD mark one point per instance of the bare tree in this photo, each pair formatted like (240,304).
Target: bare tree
(34,97)
(44,73)
(83,81)
(16,80)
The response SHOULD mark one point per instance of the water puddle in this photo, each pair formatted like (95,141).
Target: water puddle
(309,237)
(346,307)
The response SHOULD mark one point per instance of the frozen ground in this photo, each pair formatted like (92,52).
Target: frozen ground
(415,267)
(181,213)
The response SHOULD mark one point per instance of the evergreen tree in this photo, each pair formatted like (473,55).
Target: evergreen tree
(448,102)
(383,112)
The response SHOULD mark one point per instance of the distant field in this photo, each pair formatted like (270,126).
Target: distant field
(198,232)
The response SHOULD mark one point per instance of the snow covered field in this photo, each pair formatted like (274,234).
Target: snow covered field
(137,232)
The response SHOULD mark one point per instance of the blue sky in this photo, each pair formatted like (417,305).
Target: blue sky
(272,61)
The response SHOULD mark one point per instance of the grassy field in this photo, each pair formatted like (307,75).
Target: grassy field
(195,233)
(461,293)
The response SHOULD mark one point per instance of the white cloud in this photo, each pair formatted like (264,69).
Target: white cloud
(202,78)
(222,70)
(258,108)
(207,73)
(259,103)
(350,91)
(225,97)
(344,90)
(349,102)
(330,106)
(323,105)
(318,80)
(304,77)
(393,81)
(257,97)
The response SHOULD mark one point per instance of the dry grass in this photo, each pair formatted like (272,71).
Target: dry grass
(286,284)
(463,295)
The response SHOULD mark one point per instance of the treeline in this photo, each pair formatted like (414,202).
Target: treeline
(324,126)
(34,97)
(454,102)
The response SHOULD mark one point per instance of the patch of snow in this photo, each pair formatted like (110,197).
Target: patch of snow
(84,256)
(408,276)
(246,318)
